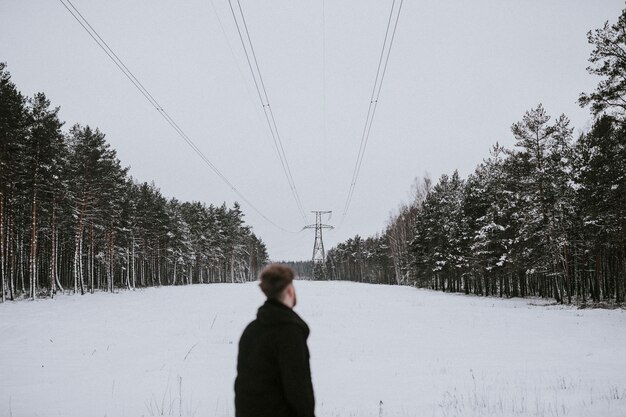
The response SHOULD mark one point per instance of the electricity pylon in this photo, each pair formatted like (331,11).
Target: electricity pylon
(319,256)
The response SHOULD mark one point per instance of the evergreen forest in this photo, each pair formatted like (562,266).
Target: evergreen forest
(546,217)
(72,218)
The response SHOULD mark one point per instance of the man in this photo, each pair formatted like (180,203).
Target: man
(273,373)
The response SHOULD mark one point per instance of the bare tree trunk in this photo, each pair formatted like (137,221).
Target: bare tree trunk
(21,262)
(127,279)
(75,269)
(11,259)
(621,283)
(158,261)
(81,269)
(78,239)
(33,249)
(232,268)
(596,291)
(56,259)
(91,260)
(568,274)
(112,260)
(106,258)
(133,259)
(78,261)
(143,271)
(3,270)
(106,262)
(555,285)
(151,266)
(53,253)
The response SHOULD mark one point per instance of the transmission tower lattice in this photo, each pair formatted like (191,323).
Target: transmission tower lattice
(319,255)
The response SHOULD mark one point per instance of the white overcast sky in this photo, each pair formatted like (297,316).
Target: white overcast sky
(460,73)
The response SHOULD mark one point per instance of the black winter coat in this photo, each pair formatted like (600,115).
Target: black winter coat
(273,373)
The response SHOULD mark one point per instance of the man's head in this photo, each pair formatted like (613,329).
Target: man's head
(277,284)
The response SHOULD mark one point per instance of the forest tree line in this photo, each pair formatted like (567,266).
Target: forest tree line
(545,218)
(72,219)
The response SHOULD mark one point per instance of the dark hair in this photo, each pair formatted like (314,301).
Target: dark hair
(274,279)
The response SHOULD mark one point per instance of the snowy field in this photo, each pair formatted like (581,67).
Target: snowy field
(172,351)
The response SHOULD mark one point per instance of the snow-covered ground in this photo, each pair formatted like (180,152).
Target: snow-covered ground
(172,351)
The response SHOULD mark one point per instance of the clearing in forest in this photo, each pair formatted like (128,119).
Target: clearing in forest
(375,351)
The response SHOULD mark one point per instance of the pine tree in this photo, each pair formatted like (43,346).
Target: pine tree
(600,176)
(485,209)
(13,128)
(545,162)
(43,154)
(608,60)
(97,176)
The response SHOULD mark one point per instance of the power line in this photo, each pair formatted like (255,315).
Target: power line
(265,103)
(267,110)
(148,96)
(236,62)
(324,116)
(241,74)
(371,111)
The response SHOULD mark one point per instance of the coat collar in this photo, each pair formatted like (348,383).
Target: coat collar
(274,312)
